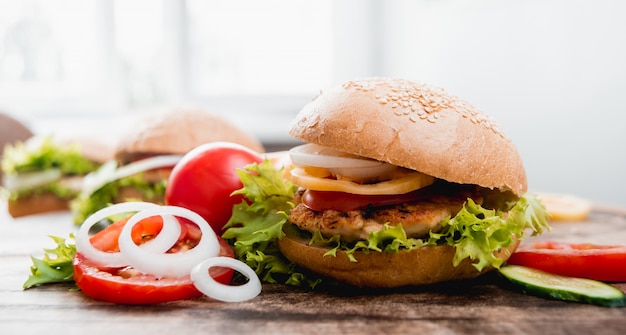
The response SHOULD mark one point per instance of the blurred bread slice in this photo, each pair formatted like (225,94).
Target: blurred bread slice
(36,204)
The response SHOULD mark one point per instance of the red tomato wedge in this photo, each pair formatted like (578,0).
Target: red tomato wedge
(592,261)
(127,286)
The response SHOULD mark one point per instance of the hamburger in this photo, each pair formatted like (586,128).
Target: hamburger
(403,184)
(44,173)
(146,154)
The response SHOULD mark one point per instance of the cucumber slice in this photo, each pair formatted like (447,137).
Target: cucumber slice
(536,282)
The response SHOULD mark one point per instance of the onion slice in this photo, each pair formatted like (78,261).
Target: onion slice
(110,172)
(166,238)
(168,264)
(320,156)
(228,293)
(339,163)
(83,244)
(28,180)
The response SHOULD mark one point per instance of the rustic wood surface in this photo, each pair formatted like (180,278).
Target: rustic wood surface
(483,306)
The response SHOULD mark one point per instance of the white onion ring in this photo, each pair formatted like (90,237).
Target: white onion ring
(337,162)
(213,289)
(83,244)
(109,172)
(168,264)
(166,238)
(320,156)
(26,180)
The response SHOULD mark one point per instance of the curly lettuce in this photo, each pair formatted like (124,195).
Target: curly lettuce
(27,157)
(55,266)
(86,204)
(475,232)
(256,224)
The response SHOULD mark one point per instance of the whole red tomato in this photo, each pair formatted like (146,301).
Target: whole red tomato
(204,179)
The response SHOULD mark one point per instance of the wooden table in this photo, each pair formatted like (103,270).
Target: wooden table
(482,306)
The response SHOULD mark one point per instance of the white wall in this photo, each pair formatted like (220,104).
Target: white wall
(552,72)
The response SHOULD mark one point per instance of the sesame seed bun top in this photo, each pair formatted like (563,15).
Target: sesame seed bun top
(413,125)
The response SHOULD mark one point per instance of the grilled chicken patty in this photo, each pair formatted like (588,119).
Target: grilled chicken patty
(418,218)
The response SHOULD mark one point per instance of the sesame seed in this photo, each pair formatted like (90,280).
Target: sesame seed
(411,99)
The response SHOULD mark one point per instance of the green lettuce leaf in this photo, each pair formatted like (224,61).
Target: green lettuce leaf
(255,226)
(55,266)
(389,239)
(86,204)
(22,157)
(476,232)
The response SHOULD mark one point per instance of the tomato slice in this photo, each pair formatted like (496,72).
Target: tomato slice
(144,230)
(126,286)
(593,261)
(345,202)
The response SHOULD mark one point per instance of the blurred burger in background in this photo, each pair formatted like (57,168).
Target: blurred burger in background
(146,154)
(44,173)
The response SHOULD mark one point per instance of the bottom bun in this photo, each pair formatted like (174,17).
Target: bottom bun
(37,204)
(420,266)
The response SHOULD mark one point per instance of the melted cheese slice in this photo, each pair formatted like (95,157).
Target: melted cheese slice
(403,183)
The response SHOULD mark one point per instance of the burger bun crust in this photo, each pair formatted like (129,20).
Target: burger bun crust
(177,131)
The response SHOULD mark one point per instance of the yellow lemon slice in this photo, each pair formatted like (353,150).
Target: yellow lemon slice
(564,207)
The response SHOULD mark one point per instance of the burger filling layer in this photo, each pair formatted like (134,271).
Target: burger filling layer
(419,213)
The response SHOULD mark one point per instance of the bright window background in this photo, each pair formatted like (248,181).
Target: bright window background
(94,56)
(138,31)
(45,62)
(259,47)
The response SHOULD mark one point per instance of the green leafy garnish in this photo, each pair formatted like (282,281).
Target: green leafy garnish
(476,232)
(389,239)
(255,227)
(24,157)
(55,266)
(86,204)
